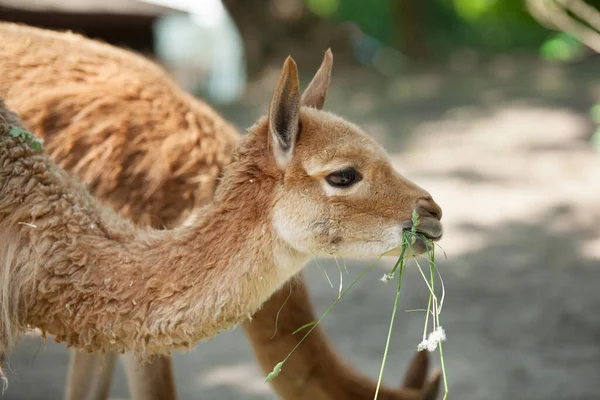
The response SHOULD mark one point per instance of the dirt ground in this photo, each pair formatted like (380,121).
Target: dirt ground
(503,146)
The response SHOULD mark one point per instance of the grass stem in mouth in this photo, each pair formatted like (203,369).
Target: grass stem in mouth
(399,264)
(434,305)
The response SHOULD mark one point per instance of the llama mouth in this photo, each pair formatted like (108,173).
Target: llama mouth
(429,228)
(433,237)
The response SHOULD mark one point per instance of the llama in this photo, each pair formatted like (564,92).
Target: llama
(47,119)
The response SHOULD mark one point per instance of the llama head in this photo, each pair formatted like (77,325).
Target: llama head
(336,191)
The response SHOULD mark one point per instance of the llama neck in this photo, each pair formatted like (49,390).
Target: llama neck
(151,291)
(74,269)
(220,272)
(102,283)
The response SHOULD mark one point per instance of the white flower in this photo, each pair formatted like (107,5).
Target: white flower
(439,335)
(431,343)
(386,277)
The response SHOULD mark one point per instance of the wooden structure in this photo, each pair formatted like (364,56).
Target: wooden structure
(126,23)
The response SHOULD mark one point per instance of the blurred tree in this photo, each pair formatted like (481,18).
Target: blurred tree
(575,17)
(421,29)
(410,28)
(578,22)
(273,29)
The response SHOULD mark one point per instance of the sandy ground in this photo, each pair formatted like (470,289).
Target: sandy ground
(503,146)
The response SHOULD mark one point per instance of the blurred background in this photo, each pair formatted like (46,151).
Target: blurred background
(491,105)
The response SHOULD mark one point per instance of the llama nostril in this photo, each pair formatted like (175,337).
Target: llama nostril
(429,208)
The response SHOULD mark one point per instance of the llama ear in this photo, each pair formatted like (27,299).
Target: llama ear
(417,371)
(316,91)
(284,114)
(416,377)
(432,388)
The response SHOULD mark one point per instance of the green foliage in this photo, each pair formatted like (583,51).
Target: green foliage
(561,48)
(487,26)
(25,136)
(323,8)
(596,139)
(275,372)
(434,305)
(472,10)
(304,326)
(595,115)
(374,17)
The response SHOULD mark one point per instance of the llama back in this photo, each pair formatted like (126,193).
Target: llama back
(156,144)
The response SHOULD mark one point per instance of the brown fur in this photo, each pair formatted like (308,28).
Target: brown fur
(73,268)
(56,107)
(160,142)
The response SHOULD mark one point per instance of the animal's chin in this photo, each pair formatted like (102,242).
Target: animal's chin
(420,246)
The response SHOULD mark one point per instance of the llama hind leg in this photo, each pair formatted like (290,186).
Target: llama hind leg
(90,375)
(150,380)
(3,380)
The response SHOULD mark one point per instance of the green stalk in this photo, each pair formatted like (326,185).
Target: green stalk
(277,368)
(341,276)
(402,262)
(281,308)
(431,275)
(432,271)
(427,317)
(443,372)
(323,272)
(433,304)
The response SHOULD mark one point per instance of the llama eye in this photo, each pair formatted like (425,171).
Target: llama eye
(343,178)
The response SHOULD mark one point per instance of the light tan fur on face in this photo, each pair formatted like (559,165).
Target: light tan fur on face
(364,219)
(51,103)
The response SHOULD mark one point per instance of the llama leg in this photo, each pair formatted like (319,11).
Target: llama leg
(3,380)
(315,371)
(90,375)
(299,379)
(150,380)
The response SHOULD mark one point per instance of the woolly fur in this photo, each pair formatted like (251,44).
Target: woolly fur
(153,153)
